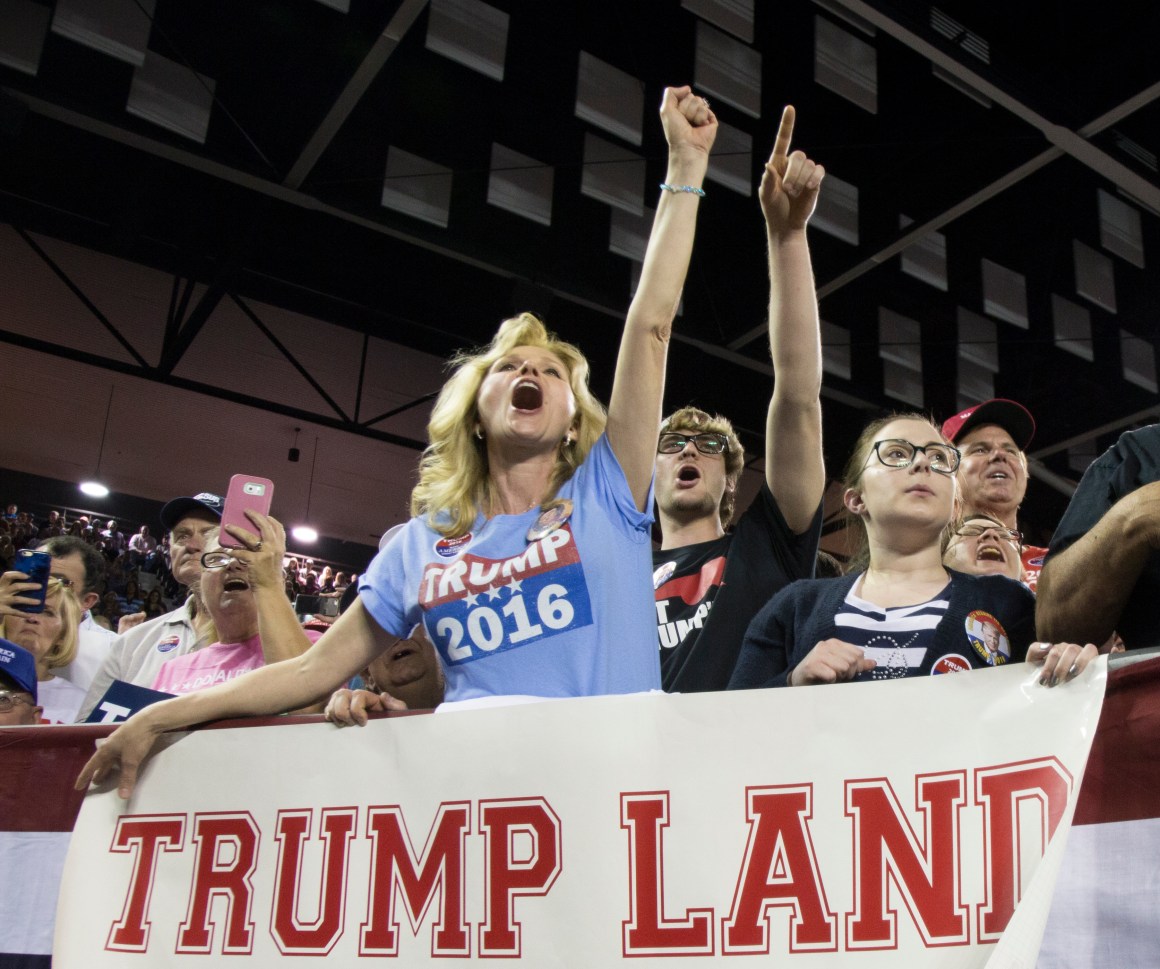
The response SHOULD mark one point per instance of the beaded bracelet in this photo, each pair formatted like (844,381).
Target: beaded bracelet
(683,188)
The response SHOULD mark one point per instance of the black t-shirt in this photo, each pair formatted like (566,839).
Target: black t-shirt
(707,593)
(1133,461)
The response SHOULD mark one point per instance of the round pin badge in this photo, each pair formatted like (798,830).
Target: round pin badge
(663,574)
(165,645)
(951,663)
(988,638)
(550,519)
(450,547)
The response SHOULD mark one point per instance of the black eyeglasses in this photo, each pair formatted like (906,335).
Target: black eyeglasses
(897,453)
(708,442)
(216,560)
(976,529)
(8,700)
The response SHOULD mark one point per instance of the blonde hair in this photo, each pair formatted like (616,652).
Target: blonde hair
(64,650)
(454,485)
(696,420)
(852,479)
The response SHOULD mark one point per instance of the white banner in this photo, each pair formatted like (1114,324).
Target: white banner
(893,823)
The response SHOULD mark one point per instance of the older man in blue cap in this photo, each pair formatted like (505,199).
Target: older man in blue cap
(137,655)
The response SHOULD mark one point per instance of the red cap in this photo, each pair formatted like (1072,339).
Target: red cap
(1014,418)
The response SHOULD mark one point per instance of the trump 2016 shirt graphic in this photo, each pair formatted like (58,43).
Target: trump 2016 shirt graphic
(477,606)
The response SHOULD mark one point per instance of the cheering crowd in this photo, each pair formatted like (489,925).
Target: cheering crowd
(529,568)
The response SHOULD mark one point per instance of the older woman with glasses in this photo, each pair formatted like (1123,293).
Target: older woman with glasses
(979,545)
(246,618)
(902,612)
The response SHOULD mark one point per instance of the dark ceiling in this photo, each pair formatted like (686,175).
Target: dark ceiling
(282,201)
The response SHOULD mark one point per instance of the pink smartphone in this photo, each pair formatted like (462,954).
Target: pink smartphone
(247,493)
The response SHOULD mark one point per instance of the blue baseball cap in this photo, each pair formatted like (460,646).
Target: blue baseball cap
(178,508)
(18,665)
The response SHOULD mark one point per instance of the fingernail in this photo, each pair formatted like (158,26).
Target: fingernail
(1043,681)
(1074,669)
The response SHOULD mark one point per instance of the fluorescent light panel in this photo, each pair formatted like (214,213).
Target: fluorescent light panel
(978,341)
(1073,327)
(1095,277)
(731,163)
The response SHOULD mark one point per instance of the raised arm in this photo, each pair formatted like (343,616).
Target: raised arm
(634,411)
(794,467)
(347,647)
(1083,589)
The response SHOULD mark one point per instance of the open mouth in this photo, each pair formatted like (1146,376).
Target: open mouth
(235,585)
(689,473)
(527,395)
(998,476)
(988,553)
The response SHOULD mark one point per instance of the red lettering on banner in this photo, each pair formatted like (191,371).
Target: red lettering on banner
(885,846)
(142,834)
(645,815)
(395,866)
(227,854)
(780,869)
(1003,791)
(509,874)
(295,936)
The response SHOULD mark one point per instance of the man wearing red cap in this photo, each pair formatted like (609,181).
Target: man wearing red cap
(993,471)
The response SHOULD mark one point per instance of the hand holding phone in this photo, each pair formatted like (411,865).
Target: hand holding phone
(24,588)
(247,493)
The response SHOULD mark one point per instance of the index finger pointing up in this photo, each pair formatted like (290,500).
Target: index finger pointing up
(784,133)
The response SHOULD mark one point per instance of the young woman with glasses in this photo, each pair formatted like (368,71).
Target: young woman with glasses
(900,612)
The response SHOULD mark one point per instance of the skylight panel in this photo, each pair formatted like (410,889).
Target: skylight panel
(836,356)
(845,64)
(22,39)
(520,184)
(728,69)
(1073,327)
(1120,230)
(926,259)
(417,187)
(119,28)
(975,383)
(837,210)
(613,175)
(899,339)
(731,163)
(735,16)
(1005,294)
(1095,277)
(978,340)
(471,33)
(902,383)
(1138,360)
(172,96)
(610,98)
(628,234)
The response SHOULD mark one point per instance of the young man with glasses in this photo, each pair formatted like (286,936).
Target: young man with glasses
(993,437)
(709,582)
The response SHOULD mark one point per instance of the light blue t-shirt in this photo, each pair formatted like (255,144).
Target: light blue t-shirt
(569,614)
